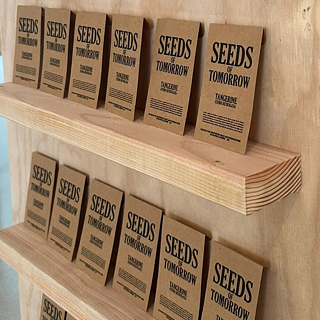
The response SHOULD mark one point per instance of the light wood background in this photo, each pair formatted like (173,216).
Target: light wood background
(285,235)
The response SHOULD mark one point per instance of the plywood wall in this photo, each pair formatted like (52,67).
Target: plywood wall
(285,235)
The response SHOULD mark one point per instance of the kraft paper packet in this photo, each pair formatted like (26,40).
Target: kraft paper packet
(51,310)
(174,53)
(99,230)
(137,251)
(28,50)
(57,49)
(66,213)
(180,272)
(40,194)
(123,77)
(87,57)
(70,317)
(228,86)
(233,286)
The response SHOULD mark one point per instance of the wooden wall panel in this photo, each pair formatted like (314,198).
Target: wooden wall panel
(285,235)
(30,299)
(269,237)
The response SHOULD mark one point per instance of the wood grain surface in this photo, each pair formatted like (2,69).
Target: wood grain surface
(244,183)
(67,285)
(285,235)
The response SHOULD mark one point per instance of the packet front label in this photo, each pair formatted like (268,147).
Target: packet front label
(66,213)
(180,272)
(124,67)
(174,53)
(99,230)
(137,251)
(40,194)
(228,86)
(28,46)
(233,286)
(56,62)
(87,58)
(51,310)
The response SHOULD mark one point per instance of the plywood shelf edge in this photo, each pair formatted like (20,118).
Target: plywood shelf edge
(29,255)
(244,183)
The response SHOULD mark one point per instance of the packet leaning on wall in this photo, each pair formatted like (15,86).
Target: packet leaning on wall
(87,58)
(51,310)
(67,214)
(178,289)
(228,86)
(99,230)
(40,194)
(57,50)
(174,53)
(137,251)
(28,50)
(124,67)
(233,286)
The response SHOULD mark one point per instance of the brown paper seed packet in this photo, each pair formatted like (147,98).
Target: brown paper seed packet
(99,230)
(180,272)
(174,53)
(87,58)
(228,86)
(137,251)
(233,286)
(51,310)
(40,194)
(58,39)
(28,46)
(66,213)
(124,67)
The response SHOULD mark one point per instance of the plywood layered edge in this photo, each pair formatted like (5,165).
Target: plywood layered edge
(273,184)
(244,183)
(68,286)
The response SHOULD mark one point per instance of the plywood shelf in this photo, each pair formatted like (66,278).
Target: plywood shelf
(244,183)
(68,286)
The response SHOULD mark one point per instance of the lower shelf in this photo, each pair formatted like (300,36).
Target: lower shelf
(68,286)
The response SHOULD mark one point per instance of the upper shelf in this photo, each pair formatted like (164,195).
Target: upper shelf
(244,183)
(62,281)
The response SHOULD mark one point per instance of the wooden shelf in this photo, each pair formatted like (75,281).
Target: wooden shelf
(244,183)
(29,255)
